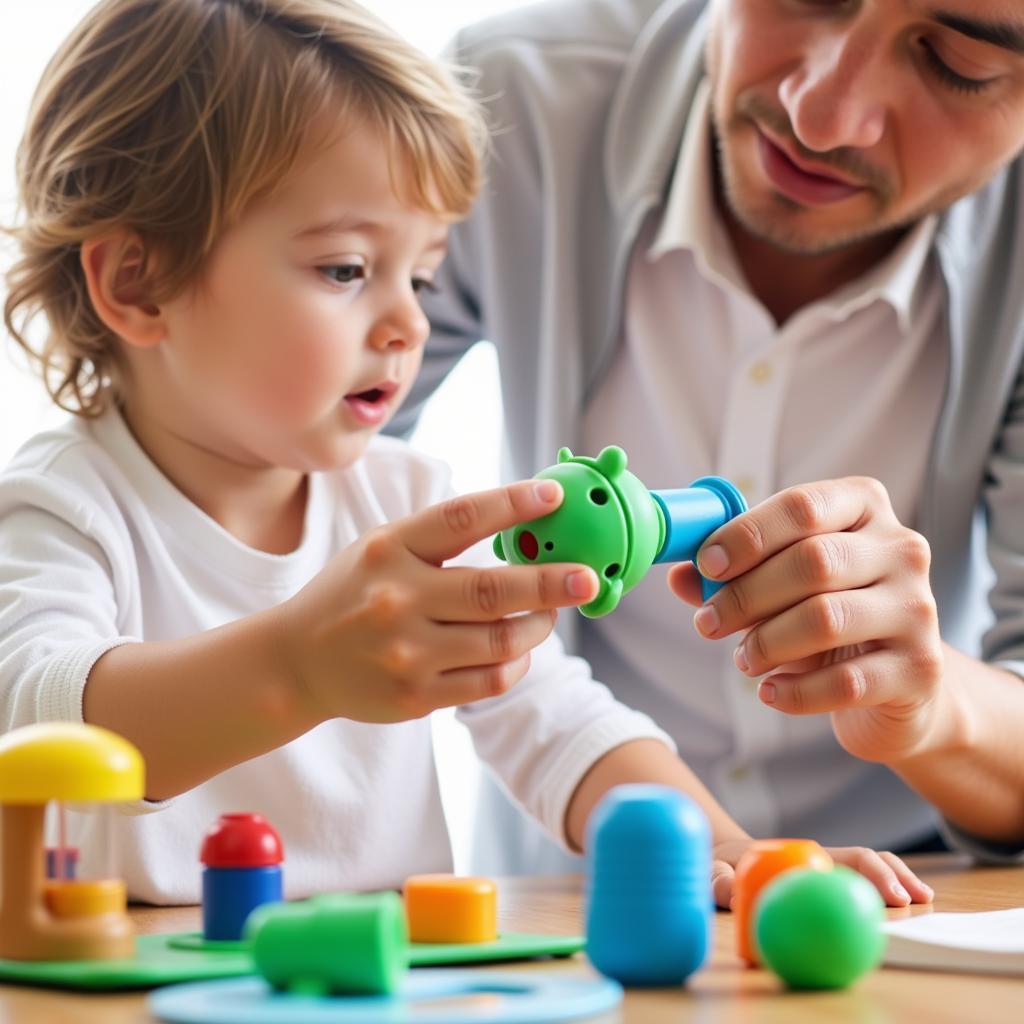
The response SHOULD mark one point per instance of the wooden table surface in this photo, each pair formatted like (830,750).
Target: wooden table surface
(724,991)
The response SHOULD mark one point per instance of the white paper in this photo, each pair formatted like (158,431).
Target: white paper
(987,941)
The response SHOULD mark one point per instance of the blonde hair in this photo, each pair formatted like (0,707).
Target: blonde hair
(170,117)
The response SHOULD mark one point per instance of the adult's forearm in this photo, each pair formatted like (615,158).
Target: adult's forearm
(200,705)
(973,771)
(645,760)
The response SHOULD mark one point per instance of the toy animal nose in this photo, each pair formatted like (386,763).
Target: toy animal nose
(528,546)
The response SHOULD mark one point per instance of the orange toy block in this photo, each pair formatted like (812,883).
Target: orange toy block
(765,859)
(443,908)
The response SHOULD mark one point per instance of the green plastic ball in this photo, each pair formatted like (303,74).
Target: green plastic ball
(820,929)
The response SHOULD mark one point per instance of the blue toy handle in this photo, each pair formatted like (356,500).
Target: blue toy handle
(692,514)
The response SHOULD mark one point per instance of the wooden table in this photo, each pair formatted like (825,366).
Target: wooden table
(724,991)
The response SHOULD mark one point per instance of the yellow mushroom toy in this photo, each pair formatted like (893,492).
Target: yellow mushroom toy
(60,918)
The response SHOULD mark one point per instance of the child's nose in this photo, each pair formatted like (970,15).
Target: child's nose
(405,326)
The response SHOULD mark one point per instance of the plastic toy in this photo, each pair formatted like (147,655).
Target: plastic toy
(820,929)
(429,997)
(340,943)
(343,957)
(766,859)
(61,861)
(61,918)
(610,521)
(242,855)
(443,909)
(649,903)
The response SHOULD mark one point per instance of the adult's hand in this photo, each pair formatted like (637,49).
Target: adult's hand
(829,596)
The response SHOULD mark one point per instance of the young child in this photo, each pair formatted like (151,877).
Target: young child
(229,207)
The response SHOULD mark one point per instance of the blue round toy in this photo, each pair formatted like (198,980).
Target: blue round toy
(649,902)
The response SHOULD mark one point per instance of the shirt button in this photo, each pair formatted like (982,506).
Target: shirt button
(761,372)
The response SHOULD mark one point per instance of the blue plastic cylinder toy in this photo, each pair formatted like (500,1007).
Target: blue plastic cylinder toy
(649,901)
(242,855)
(692,514)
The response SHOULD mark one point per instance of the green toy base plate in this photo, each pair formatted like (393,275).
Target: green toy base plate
(155,963)
(510,946)
(165,959)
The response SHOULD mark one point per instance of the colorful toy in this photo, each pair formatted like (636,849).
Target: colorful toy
(337,944)
(242,854)
(766,859)
(341,959)
(429,997)
(649,903)
(820,929)
(610,521)
(443,909)
(60,918)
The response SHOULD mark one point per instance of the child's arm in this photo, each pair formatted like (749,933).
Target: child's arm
(648,760)
(383,634)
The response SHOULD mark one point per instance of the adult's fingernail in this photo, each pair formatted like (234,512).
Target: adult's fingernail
(706,620)
(579,584)
(547,490)
(740,658)
(899,892)
(713,561)
(766,691)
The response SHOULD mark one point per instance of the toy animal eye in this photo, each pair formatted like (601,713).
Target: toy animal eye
(528,546)
(611,570)
(599,496)
(548,546)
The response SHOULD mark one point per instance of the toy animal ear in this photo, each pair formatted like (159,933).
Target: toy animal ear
(564,455)
(606,601)
(612,462)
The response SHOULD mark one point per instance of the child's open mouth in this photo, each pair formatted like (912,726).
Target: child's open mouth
(371,406)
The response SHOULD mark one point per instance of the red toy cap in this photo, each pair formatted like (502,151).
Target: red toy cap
(242,841)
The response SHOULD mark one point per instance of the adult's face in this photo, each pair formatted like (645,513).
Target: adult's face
(838,120)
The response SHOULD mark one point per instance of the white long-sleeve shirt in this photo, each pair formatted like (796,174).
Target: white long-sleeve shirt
(706,382)
(98,548)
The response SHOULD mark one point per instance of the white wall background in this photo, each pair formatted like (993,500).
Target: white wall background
(29,34)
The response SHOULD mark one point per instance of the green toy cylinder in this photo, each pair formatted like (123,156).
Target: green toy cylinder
(335,944)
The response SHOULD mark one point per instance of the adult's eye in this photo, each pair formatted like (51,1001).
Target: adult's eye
(950,78)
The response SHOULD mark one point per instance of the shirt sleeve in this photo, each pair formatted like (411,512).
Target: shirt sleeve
(1003,644)
(58,612)
(542,737)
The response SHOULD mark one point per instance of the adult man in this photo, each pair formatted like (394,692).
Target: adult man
(781,240)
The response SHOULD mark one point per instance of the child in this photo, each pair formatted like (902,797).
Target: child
(229,207)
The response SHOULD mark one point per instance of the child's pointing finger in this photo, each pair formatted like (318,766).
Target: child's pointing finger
(446,530)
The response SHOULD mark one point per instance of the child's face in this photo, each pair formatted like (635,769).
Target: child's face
(305,331)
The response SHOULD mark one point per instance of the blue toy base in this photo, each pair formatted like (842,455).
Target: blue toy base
(438,996)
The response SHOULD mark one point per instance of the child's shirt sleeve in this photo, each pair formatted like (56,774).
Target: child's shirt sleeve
(542,737)
(58,612)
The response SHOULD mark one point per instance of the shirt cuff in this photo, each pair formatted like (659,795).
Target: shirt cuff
(61,695)
(984,851)
(61,689)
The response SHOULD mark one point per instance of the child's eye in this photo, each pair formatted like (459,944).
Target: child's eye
(424,284)
(343,273)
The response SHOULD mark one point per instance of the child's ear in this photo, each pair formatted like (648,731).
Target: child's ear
(115,275)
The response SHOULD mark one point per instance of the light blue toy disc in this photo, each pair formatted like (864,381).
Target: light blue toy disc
(436,996)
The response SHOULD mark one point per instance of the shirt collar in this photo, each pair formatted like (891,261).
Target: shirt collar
(690,222)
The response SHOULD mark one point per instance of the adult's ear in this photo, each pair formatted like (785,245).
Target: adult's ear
(115,276)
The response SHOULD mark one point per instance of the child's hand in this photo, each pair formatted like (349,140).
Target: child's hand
(385,634)
(898,885)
